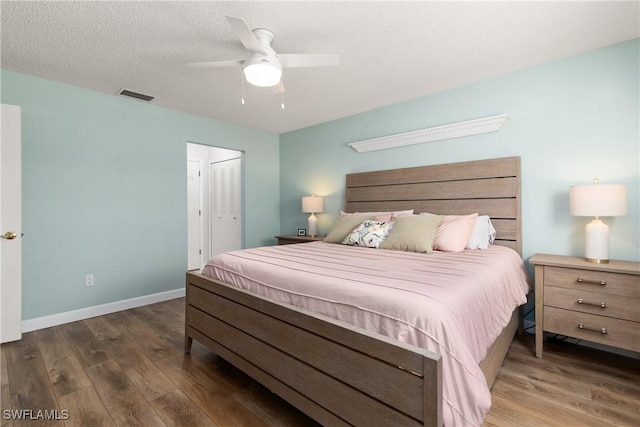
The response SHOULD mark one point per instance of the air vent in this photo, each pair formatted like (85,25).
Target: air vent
(136,95)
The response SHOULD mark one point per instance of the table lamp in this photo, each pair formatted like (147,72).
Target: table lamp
(313,205)
(597,200)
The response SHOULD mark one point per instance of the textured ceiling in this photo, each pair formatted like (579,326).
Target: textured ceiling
(389,51)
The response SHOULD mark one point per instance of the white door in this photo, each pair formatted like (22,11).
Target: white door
(10,224)
(194,213)
(226,219)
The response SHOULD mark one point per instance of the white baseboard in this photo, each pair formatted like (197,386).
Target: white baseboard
(98,310)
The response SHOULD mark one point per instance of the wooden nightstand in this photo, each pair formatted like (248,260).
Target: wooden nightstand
(290,239)
(594,302)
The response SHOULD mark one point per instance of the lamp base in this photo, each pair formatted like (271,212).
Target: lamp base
(597,242)
(312,224)
(597,261)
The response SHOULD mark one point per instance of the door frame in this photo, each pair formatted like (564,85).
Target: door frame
(201,232)
(210,153)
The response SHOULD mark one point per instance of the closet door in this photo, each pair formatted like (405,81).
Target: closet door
(226,219)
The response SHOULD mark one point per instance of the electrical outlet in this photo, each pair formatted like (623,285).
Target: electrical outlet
(88,280)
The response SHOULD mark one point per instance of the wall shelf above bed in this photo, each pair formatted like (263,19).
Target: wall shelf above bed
(437,133)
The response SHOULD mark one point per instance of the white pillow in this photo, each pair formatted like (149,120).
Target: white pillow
(483,233)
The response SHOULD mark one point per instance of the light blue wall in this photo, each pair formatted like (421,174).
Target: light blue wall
(104,188)
(104,192)
(570,121)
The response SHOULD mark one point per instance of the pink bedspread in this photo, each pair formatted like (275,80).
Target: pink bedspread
(454,304)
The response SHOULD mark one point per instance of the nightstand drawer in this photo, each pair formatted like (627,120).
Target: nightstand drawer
(599,281)
(618,333)
(599,303)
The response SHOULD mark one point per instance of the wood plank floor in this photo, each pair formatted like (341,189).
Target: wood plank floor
(128,368)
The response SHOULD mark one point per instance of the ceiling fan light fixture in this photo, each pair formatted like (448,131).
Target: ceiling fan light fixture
(262,71)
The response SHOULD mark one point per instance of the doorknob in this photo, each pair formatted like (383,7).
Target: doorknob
(9,235)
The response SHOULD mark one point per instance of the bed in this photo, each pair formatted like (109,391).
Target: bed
(334,371)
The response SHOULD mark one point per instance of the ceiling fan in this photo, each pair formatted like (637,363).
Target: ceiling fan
(263,66)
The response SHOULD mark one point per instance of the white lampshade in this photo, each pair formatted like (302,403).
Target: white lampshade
(312,204)
(262,71)
(597,200)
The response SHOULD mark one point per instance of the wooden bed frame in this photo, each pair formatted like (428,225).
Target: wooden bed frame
(336,373)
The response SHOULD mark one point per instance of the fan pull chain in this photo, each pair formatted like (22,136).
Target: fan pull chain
(242,87)
(282,93)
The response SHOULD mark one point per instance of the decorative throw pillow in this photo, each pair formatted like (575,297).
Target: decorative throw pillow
(343,226)
(483,233)
(368,234)
(454,232)
(413,233)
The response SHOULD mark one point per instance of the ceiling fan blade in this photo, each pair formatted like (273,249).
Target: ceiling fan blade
(229,63)
(245,35)
(278,89)
(294,60)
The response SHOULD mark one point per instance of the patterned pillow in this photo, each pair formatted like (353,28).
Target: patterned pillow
(344,225)
(368,234)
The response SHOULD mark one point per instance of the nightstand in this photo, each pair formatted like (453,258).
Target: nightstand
(593,302)
(290,239)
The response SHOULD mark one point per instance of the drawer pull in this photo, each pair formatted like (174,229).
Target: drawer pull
(601,330)
(595,304)
(594,282)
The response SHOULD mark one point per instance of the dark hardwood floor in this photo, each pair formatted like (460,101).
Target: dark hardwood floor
(128,368)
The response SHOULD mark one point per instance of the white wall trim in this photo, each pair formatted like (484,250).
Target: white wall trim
(453,130)
(98,310)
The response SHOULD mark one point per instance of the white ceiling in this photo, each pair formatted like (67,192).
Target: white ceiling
(389,51)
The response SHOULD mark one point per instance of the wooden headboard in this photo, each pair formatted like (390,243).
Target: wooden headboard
(489,187)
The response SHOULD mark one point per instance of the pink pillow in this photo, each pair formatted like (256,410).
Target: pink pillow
(383,217)
(454,232)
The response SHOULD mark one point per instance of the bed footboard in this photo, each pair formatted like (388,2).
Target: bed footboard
(335,373)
